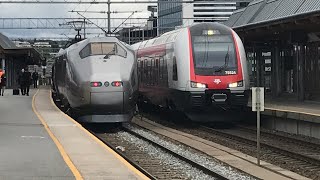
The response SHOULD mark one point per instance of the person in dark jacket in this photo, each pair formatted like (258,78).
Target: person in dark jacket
(26,81)
(35,77)
(20,81)
(3,81)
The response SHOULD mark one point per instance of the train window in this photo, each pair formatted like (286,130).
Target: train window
(141,70)
(161,68)
(175,70)
(157,70)
(121,52)
(106,48)
(85,52)
(214,55)
(146,71)
(102,49)
(153,67)
(133,78)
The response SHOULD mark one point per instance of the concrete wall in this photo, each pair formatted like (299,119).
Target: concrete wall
(294,123)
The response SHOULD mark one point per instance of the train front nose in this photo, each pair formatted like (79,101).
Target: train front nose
(110,101)
(106,94)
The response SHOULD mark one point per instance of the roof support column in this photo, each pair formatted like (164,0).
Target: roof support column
(276,70)
(259,65)
(299,58)
(3,63)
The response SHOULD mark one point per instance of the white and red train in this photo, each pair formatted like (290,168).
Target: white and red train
(194,68)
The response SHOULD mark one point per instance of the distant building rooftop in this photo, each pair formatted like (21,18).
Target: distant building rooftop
(6,43)
(8,47)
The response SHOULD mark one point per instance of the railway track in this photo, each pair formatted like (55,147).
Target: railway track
(291,151)
(287,152)
(151,165)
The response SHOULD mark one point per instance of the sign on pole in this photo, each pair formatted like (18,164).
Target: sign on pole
(258,105)
(257,98)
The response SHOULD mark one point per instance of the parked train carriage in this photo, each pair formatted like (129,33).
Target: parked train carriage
(97,80)
(194,68)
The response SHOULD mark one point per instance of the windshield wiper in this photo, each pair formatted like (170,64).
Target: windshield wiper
(112,52)
(226,62)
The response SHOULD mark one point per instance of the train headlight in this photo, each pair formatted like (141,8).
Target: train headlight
(197,85)
(236,84)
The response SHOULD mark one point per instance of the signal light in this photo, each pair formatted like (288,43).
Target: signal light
(116,83)
(96,84)
(106,83)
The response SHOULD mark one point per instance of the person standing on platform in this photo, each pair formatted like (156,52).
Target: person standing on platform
(35,77)
(3,81)
(26,78)
(21,82)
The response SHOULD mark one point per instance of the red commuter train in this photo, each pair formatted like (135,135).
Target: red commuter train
(194,68)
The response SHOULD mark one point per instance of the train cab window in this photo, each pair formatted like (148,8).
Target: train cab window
(120,51)
(85,52)
(102,48)
(214,55)
(175,70)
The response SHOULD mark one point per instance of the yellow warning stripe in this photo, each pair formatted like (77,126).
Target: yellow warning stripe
(126,163)
(63,153)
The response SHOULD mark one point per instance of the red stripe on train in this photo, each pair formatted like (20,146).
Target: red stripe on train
(192,74)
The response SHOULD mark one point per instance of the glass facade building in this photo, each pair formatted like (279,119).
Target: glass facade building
(176,14)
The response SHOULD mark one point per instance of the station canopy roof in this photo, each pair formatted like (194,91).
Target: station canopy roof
(9,48)
(277,15)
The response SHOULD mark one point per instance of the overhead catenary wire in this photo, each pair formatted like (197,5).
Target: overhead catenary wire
(106,2)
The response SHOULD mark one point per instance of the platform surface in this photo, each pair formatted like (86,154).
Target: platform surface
(26,149)
(288,107)
(91,158)
(38,141)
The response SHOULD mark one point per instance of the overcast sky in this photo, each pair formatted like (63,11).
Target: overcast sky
(61,11)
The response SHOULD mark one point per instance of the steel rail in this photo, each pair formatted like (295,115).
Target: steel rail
(198,166)
(136,165)
(289,153)
(281,137)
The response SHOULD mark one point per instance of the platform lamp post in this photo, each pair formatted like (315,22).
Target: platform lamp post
(77,26)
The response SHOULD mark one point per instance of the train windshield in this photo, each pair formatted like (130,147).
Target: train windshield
(214,55)
(102,48)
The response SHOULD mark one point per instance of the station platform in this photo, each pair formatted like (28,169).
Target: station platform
(38,141)
(292,116)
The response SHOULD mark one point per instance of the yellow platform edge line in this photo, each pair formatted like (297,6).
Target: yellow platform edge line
(125,162)
(63,153)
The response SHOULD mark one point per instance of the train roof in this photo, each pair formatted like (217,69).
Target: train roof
(171,35)
(84,42)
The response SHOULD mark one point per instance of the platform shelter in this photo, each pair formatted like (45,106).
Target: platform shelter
(282,40)
(13,59)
